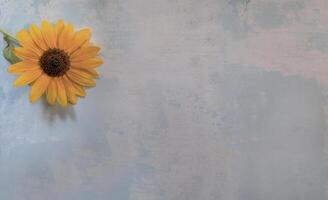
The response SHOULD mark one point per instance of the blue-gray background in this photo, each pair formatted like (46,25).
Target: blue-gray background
(197,100)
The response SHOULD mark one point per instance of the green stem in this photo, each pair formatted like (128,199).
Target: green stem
(12,38)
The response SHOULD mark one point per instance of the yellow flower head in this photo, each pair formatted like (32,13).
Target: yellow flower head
(56,61)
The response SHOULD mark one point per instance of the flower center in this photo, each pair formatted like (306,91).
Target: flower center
(54,62)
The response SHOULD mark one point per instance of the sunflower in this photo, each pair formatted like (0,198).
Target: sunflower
(56,62)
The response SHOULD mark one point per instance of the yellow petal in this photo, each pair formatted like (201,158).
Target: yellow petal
(27,42)
(59,26)
(92,71)
(80,37)
(48,33)
(79,90)
(65,38)
(52,91)
(89,63)
(27,77)
(39,87)
(82,73)
(59,29)
(81,80)
(37,37)
(84,53)
(26,54)
(70,91)
(61,92)
(72,98)
(21,67)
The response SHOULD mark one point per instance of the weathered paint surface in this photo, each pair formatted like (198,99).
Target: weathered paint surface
(210,99)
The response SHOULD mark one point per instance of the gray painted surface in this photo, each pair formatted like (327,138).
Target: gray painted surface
(197,100)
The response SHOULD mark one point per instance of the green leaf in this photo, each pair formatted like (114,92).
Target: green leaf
(8,50)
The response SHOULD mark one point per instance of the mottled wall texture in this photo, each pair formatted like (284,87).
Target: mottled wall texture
(197,100)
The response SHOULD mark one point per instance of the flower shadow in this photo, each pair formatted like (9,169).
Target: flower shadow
(53,112)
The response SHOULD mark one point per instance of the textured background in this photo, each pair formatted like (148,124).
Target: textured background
(198,100)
